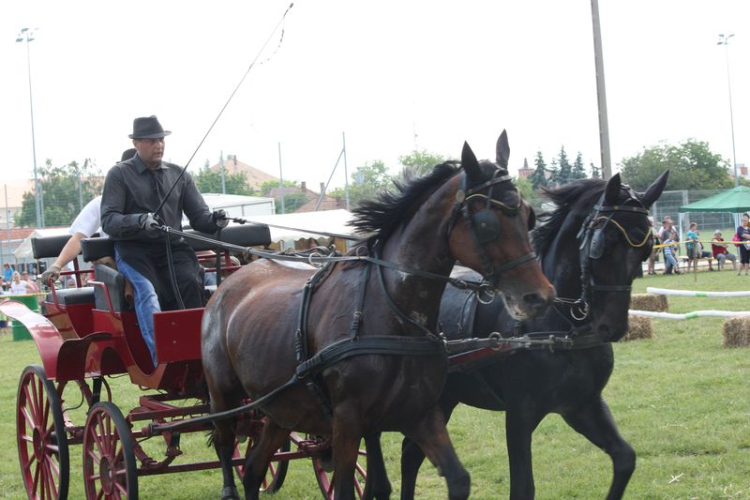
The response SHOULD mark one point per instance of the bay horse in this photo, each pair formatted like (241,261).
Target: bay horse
(469,211)
(591,247)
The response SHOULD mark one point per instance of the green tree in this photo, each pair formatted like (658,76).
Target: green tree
(267,186)
(563,175)
(64,191)
(578,171)
(692,165)
(539,177)
(292,202)
(526,188)
(421,162)
(554,173)
(208,181)
(368,181)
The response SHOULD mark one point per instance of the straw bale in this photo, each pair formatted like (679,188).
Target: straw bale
(639,327)
(649,302)
(737,332)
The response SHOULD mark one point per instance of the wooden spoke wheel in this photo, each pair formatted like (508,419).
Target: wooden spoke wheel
(276,469)
(326,476)
(42,440)
(109,467)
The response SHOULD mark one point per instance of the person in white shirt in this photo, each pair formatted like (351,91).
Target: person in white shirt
(18,286)
(85,225)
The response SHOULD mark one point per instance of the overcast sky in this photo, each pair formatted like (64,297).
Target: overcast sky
(392,75)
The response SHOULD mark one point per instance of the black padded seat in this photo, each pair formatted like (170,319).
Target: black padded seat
(72,296)
(48,247)
(245,235)
(96,248)
(115,283)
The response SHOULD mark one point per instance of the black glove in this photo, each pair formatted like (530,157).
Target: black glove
(149,222)
(220,218)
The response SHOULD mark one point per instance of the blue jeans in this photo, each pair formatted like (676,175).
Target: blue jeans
(146,302)
(671,261)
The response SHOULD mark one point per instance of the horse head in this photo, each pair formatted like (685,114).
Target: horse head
(493,238)
(614,240)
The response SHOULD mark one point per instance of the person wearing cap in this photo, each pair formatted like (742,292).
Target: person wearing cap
(85,225)
(720,252)
(133,191)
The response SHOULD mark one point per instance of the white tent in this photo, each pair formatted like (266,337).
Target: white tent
(23,252)
(290,227)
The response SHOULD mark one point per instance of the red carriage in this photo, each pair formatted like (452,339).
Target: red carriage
(89,333)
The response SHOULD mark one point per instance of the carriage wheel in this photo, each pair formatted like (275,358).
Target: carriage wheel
(276,469)
(42,440)
(327,477)
(109,469)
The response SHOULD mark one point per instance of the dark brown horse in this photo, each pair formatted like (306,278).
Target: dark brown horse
(591,247)
(472,213)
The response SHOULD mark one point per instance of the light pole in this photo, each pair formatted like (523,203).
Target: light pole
(27,35)
(601,93)
(724,40)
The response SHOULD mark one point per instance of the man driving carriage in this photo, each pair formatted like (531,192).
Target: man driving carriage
(133,192)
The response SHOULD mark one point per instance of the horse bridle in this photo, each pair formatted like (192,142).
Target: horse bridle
(591,237)
(483,225)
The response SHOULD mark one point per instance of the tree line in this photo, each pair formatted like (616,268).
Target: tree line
(66,189)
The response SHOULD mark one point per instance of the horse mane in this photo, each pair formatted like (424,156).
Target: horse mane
(388,210)
(570,197)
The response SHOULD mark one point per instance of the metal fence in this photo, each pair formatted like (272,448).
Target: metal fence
(670,201)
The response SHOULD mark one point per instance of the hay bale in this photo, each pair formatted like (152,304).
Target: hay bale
(737,332)
(639,327)
(649,302)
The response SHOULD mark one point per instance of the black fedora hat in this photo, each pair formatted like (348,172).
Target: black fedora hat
(148,127)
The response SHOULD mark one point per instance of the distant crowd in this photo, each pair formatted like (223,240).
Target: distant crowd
(18,282)
(668,244)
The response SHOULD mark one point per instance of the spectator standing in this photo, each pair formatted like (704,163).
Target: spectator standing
(695,248)
(743,236)
(670,262)
(17,285)
(655,252)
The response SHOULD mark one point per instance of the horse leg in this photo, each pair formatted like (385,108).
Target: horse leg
(432,437)
(596,423)
(520,423)
(272,437)
(223,437)
(377,485)
(412,455)
(347,434)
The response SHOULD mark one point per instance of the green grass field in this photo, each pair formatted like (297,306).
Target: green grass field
(682,400)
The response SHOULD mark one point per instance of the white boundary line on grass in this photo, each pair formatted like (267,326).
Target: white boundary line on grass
(690,315)
(690,293)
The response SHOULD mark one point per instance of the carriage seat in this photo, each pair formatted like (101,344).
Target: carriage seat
(72,296)
(49,246)
(241,235)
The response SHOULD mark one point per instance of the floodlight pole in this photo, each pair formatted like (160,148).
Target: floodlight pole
(724,40)
(601,93)
(26,35)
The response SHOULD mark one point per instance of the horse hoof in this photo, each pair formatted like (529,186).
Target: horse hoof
(230,493)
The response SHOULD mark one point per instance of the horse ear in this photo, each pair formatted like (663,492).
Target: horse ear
(502,150)
(654,190)
(470,164)
(612,190)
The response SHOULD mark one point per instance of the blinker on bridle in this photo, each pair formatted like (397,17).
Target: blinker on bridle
(483,225)
(592,246)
